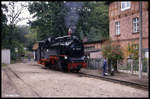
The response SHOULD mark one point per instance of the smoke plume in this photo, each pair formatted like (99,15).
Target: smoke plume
(72,15)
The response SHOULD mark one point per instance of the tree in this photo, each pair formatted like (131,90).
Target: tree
(32,38)
(4,26)
(83,26)
(4,18)
(131,51)
(13,17)
(93,22)
(50,18)
(113,53)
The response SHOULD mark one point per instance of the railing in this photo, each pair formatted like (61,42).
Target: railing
(94,63)
(129,66)
(132,66)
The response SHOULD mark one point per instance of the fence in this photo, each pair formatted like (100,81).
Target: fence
(94,63)
(132,66)
(129,66)
(5,56)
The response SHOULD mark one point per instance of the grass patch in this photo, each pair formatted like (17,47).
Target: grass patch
(13,62)
(4,65)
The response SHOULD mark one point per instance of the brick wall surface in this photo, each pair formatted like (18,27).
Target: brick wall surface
(125,18)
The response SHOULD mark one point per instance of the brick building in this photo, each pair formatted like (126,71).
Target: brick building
(124,23)
(93,49)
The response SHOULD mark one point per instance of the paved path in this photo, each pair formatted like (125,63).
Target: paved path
(127,77)
(32,80)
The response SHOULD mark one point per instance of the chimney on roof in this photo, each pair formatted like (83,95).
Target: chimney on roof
(70,31)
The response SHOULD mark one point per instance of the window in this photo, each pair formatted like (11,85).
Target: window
(135,25)
(117,25)
(125,5)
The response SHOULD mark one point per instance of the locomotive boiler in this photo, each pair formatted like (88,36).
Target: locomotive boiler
(64,53)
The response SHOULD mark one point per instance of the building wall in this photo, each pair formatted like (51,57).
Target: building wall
(96,45)
(96,54)
(126,27)
(126,17)
(5,58)
(92,53)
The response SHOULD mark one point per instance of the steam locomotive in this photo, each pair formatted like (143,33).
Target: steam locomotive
(64,53)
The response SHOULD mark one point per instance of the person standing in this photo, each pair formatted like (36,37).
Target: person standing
(104,67)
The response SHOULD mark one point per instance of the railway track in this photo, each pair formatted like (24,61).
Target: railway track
(10,84)
(10,73)
(132,84)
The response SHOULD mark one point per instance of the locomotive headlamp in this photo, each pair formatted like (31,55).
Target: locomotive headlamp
(65,57)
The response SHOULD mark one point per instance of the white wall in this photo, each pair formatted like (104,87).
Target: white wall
(146,54)
(5,58)
(95,54)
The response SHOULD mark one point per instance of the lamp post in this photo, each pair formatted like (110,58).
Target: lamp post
(140,40)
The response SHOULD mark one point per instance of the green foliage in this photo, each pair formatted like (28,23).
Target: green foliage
(20,46)
(133,50)
(4,27)
(17,40)
(3,16)
(50,19)
(13,35)
(4,65)
(93,22)
(32,37)
(112,51)
(5,36)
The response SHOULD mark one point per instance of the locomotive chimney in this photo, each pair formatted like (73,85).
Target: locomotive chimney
(69,31)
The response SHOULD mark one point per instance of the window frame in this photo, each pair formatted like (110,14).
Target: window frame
(117,28)
(135,25)
(127,5)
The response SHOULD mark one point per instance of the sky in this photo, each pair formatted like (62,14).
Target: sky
(25,13)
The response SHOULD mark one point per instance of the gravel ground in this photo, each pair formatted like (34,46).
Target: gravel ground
(8,87)
(32,80)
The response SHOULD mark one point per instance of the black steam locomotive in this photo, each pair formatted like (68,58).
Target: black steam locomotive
(65,53)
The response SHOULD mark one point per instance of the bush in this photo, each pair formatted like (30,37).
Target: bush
(20,47)
(112,52)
